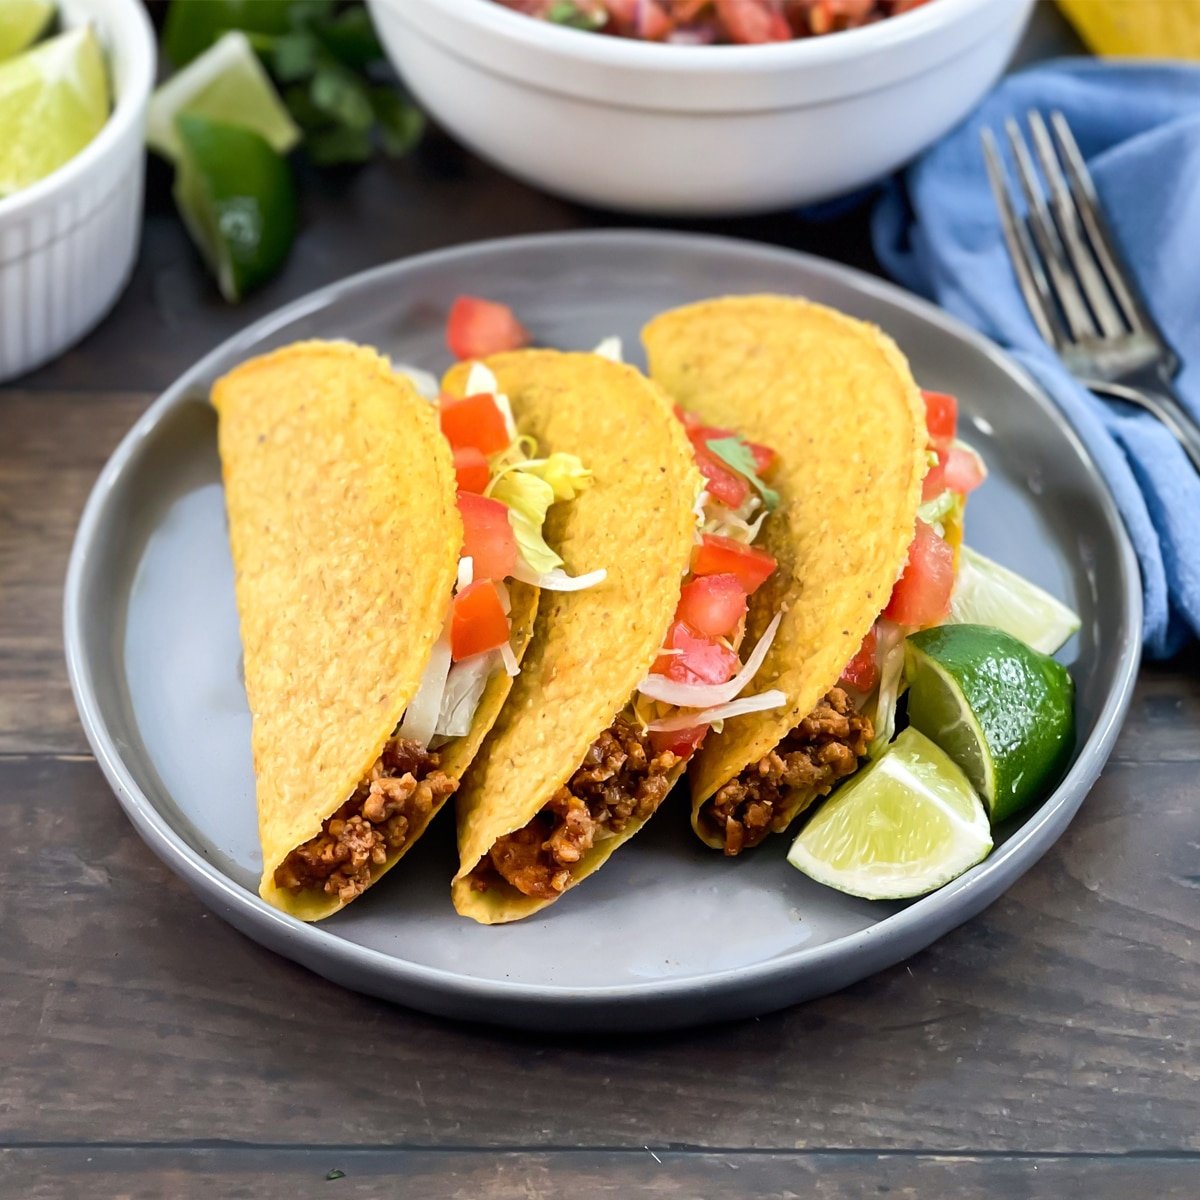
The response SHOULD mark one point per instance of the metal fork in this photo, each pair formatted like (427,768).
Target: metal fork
(1079,290)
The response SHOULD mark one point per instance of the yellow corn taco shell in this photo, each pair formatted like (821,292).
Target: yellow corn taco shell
(591,648)
(835,398)
(345,534)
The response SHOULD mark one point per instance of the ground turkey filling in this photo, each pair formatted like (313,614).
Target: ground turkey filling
(399,791)
(824,748)
(620,780)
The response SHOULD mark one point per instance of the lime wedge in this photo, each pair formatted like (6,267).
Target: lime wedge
(53,101)
(986,593)
(226,83)
(903,826)
(236,196)
(1001,710)
(21,23)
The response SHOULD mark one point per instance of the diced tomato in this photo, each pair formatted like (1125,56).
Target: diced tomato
(862,671)
(718,555)
(699,659)
(471,469)
(941,417)
(935,480)
(478,622)
(488,539)
(963,470)
(475,421)
(700,434)
(921,596)
(681,742)
(764,457)
(727,486)
(645,19)
(689,420)
(752,21)
(712,604)
(477,328)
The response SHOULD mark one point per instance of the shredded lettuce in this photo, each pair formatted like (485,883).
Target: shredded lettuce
(565,473)
(528,499)
(889,653)
(462,692)
(420,719)
(735,453)
(933,511)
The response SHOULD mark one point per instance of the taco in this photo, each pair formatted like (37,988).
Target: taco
(592,737)
(836,398)
(381,619)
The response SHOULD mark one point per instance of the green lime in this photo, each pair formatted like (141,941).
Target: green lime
(901,827)
(53,101)
(236,197)
(226,83)
(193,25)
(22,22)
(986,593)
(1003,711)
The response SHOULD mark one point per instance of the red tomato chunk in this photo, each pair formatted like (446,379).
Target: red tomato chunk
(478,622)
(712,604)
(921,596)
(474,421)
(471,469)
(488,539)
(681,742)
(718,555)
(478,327)
(941,417)
(862,671)
(698,659)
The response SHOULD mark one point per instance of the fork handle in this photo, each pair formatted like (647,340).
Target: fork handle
(1157,396)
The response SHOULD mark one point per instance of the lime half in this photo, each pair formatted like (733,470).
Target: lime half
(21,23)
(236,197)
(1001,710)
(903,826)
(986,593)
(53,101)
(226,83)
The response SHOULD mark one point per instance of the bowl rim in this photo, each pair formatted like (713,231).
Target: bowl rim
(129,26)
(894,33)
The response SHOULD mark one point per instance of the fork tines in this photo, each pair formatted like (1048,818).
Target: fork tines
(1068,268)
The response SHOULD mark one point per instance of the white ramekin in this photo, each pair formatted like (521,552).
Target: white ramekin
(697,129)
(68,244)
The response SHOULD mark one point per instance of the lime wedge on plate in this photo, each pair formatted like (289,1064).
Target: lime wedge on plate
(226,83)
(1001,710)
(903,826)
(21,23)
(986,593)
(53,101)
(237,199)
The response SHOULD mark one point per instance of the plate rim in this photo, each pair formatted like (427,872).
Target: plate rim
(954,904)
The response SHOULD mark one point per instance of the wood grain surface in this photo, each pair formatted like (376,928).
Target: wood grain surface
(1050,1048)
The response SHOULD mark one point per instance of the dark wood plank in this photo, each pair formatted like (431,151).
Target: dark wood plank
(51,450)
(247,1174)
(1063,1019)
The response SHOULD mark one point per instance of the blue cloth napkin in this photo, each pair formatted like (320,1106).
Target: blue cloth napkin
(937,232)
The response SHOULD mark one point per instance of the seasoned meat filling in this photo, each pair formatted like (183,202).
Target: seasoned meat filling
(399,791)
(824,748)
(620,780)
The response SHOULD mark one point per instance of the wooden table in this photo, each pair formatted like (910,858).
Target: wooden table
(1047,1049)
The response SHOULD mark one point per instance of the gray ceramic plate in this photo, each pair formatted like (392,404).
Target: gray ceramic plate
(669,933)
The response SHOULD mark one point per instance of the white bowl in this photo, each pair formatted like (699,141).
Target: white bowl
(697,129)
(68,243)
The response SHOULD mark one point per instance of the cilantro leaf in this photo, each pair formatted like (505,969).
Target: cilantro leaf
(734,452)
